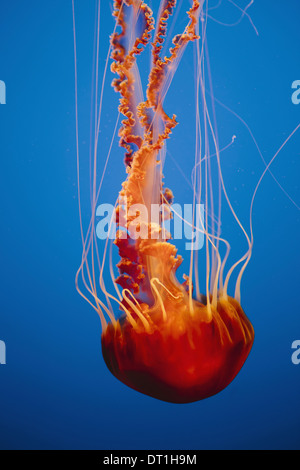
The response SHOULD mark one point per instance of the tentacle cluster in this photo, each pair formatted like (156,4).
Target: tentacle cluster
(155,127)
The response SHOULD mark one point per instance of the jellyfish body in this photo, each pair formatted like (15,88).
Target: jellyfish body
(184,359)
(170,343)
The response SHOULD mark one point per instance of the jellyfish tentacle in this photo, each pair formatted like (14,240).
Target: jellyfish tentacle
(136,274)
(123,64)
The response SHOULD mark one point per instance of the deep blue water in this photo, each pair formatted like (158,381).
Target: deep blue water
(55,391)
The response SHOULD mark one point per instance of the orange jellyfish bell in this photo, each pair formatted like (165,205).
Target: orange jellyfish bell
(184,358)
(171,342)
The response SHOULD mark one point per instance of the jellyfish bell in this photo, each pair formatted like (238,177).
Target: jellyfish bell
(184,358)
(171,342)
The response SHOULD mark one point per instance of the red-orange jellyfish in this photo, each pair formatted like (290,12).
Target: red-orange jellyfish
(171,342)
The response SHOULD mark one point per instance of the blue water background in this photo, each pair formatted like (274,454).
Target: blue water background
(55,391)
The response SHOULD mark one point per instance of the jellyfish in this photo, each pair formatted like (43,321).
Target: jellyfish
(176,341)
